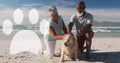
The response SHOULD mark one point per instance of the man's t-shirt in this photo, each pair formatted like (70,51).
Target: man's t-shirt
(81,22)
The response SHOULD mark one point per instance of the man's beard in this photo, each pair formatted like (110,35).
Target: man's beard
(80,13)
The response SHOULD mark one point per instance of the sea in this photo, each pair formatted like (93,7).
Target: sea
(99,31)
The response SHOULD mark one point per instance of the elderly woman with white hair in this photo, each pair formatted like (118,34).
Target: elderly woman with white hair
(57,31)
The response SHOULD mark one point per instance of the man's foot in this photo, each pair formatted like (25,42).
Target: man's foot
(87,55)
(81,50)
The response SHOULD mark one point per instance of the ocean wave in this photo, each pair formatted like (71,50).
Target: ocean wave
(101,30)
(95,29)
(106,29)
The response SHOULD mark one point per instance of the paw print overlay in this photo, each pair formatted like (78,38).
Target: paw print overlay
(25,40)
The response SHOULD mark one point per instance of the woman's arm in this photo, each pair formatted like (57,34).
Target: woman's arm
(54,35)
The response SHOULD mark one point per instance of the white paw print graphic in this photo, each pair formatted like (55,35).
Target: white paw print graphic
(25,40)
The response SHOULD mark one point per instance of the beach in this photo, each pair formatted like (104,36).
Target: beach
(23,24)
(103,50)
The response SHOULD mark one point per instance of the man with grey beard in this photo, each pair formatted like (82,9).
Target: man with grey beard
(83,22)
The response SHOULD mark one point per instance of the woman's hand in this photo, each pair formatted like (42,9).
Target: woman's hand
(65,35)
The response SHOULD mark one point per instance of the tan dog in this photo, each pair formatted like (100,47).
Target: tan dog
(69,49)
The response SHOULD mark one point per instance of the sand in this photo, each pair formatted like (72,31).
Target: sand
(104,50)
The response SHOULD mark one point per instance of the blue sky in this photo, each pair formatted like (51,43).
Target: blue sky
(63,3)
(102,10)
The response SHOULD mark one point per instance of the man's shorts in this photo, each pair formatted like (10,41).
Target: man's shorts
(81,41)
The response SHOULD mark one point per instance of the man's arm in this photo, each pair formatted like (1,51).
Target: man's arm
(88,27)
(70,27)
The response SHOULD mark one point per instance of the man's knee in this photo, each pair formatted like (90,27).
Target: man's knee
(87,35)
(92,34)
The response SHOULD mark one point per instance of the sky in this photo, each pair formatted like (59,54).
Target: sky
(102,10)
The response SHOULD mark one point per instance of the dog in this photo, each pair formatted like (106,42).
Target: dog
(69,50)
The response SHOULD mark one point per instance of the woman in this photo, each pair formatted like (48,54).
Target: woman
(56,29)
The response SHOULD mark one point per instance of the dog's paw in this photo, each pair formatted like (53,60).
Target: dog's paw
(77,59)
(61,60)
(69,59)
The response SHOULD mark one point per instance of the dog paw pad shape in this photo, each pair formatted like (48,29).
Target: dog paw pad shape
(23,40)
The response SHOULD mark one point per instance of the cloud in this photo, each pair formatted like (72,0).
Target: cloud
(3,6)
(5,13)
(112,15)
(66,12)
(106,14)
(32,5)
(67,3)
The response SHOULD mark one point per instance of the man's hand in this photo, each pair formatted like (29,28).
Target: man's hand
(81,30)
(88,27)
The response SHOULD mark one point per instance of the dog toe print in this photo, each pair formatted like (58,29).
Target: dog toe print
(43,27)
(7,27)
(23,40)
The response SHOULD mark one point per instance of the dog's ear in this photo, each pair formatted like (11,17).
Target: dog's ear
(72,34)
(72,37)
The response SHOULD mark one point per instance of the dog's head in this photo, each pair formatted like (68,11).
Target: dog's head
(69,40)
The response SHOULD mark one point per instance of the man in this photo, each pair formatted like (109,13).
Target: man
(83,22)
